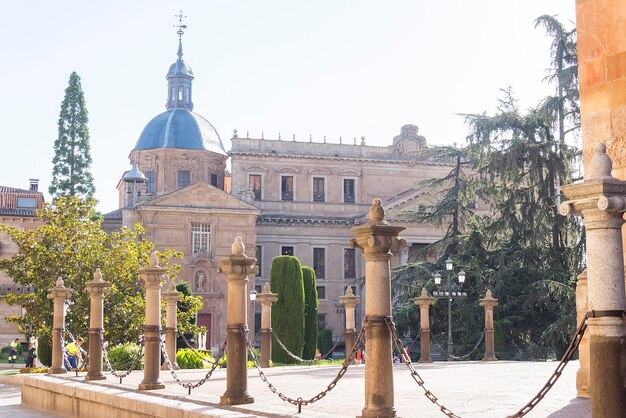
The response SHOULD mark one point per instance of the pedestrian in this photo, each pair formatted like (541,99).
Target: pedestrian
(32,354)
(13,351)
(74,355)
(318,355)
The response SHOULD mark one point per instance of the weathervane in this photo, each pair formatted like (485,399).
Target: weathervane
(180,25)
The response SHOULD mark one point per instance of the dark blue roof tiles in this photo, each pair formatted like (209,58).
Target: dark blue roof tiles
(180,68)
(180,128)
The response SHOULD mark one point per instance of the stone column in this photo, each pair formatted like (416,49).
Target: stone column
(601,201)
(59,294)
(424,301)
(349,300)
(376,238)
(171,296)
(97,289)
(582,375)
(237,267)
(488,302)
(152,278)
(267,298)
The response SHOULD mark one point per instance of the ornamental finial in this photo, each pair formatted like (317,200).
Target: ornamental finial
(97,276)
(601,165)
(377,213)
(180,32)
(59,282)
(154,259)
(238,248)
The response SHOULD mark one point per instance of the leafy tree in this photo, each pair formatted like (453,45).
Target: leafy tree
(310,313)
(69,245)
(72,157)
(288,312)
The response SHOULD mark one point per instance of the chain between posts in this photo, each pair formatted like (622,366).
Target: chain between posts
(190,385)
(188,344)
(299,401)
(117,373)
(463,357)
(299,359)
(418,379)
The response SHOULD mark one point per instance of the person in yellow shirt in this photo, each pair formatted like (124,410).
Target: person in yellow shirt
(74,355)
(13,351)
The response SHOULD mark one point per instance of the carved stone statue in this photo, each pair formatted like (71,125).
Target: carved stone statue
(200,280)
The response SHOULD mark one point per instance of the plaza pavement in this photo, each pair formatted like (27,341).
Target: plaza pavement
(469,389)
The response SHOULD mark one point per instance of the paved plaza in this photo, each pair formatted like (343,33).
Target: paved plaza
(469,389)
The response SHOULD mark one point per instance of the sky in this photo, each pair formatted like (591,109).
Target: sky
(340,68)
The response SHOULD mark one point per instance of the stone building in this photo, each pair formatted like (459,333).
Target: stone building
(17,209)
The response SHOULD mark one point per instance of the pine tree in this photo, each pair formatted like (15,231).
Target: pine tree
(72,157)
(310,313)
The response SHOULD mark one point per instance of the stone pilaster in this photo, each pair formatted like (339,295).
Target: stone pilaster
(601,201)
(152,278)
(59,294)
(424,301)
(376,238)
(237,267)
(170,296)
(582,375)
(97,289)
(489,302)
(266,298)
(349,300)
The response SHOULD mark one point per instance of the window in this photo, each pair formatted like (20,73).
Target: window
(26,202)
(259,259)
(254,184)
(286,188)
(318,189)
(184,179)
(319,255)
(349,263)
(348,190)
(321,320)
(150,181)
(258,288)
(257,322)
(200,238)
(180,93)
(321,292)
(214,180)
(286,250)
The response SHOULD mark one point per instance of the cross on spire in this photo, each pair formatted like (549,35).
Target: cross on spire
(180,32)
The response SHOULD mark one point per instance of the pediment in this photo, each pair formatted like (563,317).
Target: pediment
(350,173)
(407,200)
(288,170)
(324,171)
(255,168)
(199,195)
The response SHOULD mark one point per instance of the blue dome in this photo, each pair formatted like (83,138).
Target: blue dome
(180,128)
(180,68)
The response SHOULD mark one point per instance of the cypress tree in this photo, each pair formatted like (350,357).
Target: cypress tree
(288,312)
(72,157)
(310,313)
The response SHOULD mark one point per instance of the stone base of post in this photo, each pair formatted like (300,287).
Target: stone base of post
(379,397)
(95,356)
(350,343)
(425,347)
(170,347)
(582,384)
(608,397)
(266,346)
(489,346)
(152,360)
(237,370)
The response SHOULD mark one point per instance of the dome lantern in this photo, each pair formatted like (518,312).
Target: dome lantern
(179,76)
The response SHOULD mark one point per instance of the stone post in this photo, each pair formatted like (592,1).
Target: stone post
(424,301)
(152,278)
(376,238)
(488,302)
(267,298)
(171,296)
(601,201)
(349,300)
(59,294)
(97,289)
(237,267)
(582,375)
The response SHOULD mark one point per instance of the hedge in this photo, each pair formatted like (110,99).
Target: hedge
(310,313)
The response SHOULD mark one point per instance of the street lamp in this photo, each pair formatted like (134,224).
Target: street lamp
(450,291)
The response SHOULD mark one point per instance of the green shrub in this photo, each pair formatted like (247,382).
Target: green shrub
(44,350)
(288,311)
(325,340)
(310,313)
(122,355)
(190,359)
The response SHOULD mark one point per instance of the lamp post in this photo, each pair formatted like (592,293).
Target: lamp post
(252,296)
(450,291)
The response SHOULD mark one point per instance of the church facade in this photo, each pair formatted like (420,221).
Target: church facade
(283,197)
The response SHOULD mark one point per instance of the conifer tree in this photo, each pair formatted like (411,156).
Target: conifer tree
(72,156)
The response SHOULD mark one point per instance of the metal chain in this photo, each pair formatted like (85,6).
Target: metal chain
(190,385)
(299,359)
(110,368)
(84,360)
(463,357)
(418,379)
(188,344)
(299,401)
